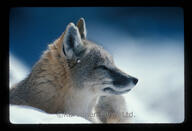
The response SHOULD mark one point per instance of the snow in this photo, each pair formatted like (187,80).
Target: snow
(17,70)
(30,115)
(159,95)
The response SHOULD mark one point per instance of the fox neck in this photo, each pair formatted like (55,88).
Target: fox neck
(80,103)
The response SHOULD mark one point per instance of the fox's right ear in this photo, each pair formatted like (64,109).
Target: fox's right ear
(82,28)
(72,44)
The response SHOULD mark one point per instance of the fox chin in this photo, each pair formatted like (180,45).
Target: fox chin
(76,76)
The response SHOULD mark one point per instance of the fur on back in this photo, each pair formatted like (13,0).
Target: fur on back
(45,87)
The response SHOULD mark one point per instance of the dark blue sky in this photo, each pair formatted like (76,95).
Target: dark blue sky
(32,28)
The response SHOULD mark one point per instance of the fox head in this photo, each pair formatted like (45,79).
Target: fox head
(91,67)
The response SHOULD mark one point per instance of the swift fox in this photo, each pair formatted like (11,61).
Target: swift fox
(78,77)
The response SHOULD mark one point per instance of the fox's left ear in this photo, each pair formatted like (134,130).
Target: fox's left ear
(72,44)
(82,28)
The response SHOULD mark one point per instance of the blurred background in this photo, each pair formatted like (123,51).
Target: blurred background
(146,42)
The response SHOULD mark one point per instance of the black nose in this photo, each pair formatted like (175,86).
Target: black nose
(135,80)
(121,81)
(124,81)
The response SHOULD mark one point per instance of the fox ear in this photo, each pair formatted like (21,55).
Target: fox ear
(72,44)
(82,28)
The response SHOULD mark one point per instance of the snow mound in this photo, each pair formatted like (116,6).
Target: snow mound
(30,115)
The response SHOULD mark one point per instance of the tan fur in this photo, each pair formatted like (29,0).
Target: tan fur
(46,73)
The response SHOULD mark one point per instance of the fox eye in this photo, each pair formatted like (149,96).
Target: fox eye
(78,61)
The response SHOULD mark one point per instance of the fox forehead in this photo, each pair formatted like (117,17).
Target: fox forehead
(97,53)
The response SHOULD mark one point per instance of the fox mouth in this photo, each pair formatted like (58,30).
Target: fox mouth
(112,91)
